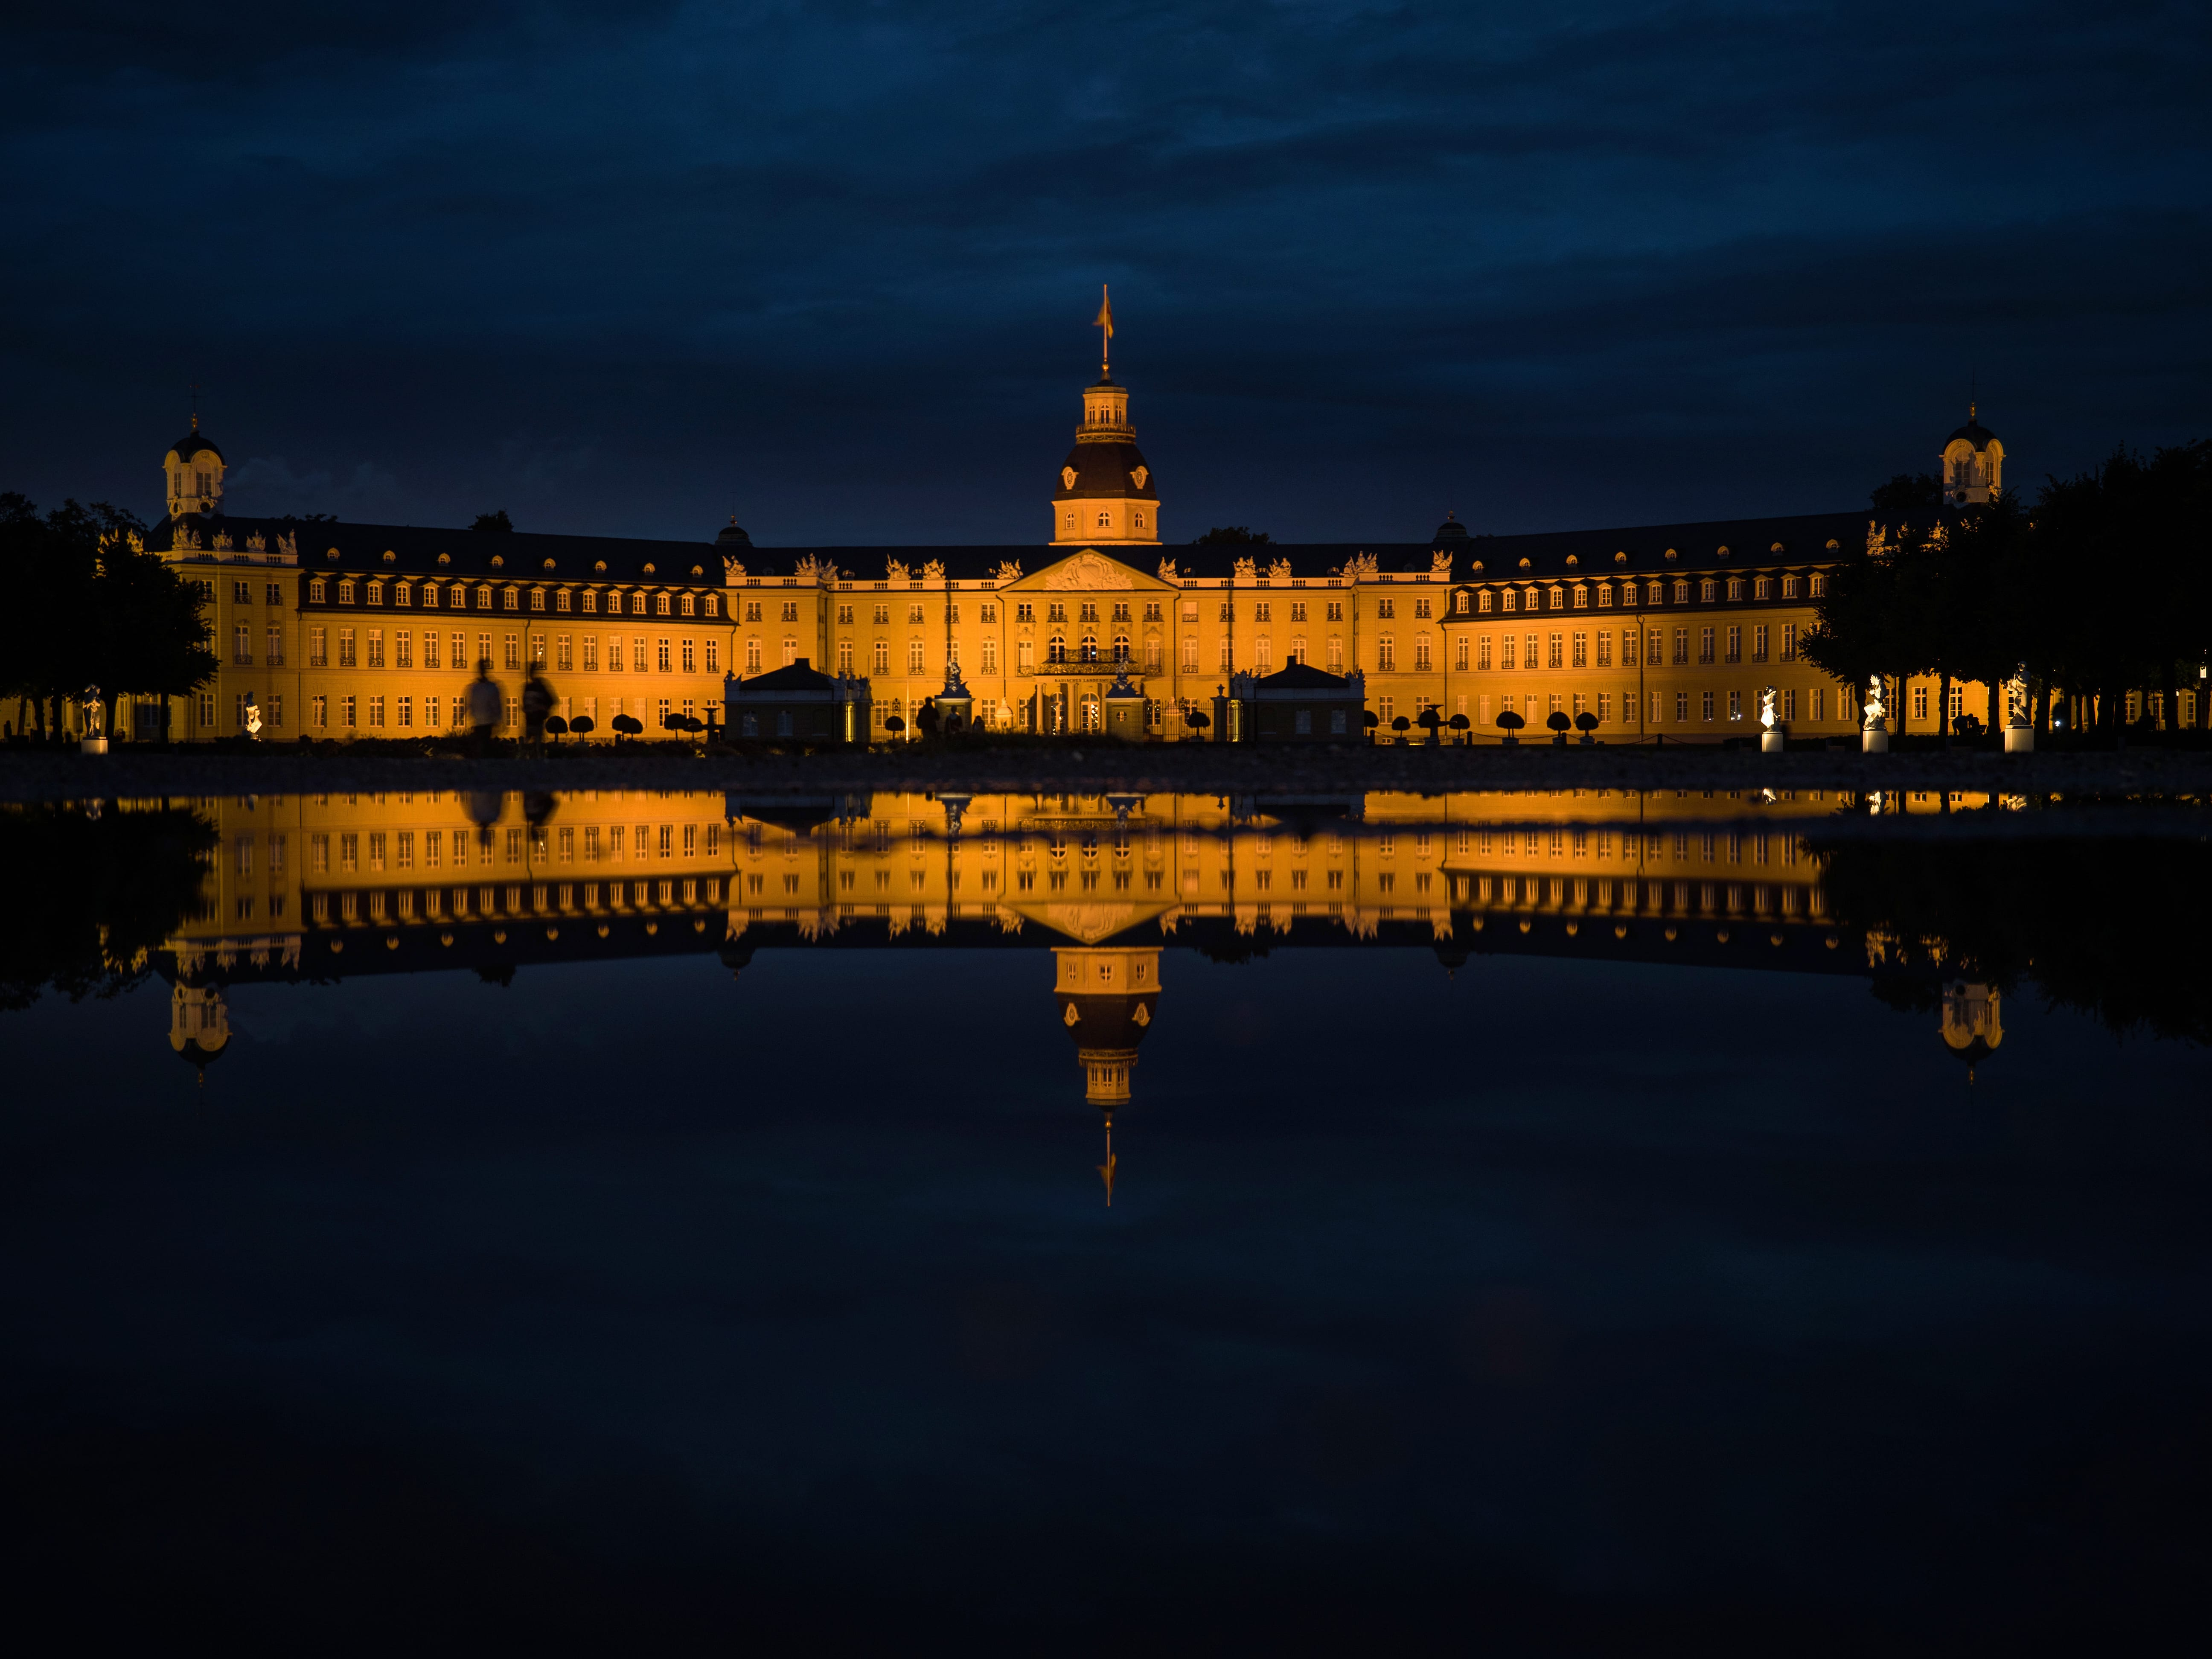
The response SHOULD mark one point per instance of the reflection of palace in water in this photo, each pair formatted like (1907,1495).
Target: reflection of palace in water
(324,886)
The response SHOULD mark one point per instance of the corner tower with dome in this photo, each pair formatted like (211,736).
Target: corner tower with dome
(1973,463)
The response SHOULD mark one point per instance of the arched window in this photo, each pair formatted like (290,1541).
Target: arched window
(1120,648)
(1055,650)
(1090,647)
(1105,519)
(511,598)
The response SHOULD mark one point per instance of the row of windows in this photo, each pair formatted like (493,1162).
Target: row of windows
(1583,649)
(647,654)
(382,711)
(350,591)
(1689,707)
(1707,590)
(377,850)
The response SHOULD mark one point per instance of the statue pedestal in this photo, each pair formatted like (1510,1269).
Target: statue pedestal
(2019,740)
(93,746)
(1772,741)
(1875,740)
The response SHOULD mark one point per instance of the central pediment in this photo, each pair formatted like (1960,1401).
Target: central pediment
(1090,571)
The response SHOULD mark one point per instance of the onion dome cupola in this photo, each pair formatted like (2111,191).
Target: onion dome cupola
(192,474)
(1105,493)
(1450,533)
(731,538)
(1973,463)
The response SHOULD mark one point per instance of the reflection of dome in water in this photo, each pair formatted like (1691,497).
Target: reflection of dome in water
(1107,998)
(1971,1027)
(199,1025)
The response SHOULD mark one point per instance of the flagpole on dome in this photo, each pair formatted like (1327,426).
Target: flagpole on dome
(1104,321)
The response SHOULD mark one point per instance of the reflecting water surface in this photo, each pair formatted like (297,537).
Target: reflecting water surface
(1535,1219)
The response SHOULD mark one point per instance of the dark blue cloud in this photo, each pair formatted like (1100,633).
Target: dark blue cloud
(828,265)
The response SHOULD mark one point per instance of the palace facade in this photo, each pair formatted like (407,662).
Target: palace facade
(344,630)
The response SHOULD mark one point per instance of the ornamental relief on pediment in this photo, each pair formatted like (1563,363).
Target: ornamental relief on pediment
(1088,571)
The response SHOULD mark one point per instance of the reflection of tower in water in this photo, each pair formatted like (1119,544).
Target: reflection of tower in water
(1107,997)
(1971,1029)
(199,1023)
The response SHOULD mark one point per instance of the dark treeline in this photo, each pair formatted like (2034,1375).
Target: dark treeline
(87,607)
(2104,587)
(96,893)
(2110,928)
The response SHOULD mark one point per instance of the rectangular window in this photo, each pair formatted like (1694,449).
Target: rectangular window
(376,647)
(1386,654)
(376,711)
(1459,654)
(1604,705)
(318,648)
(1581,655)
(405,709)
(1552,646)
(345,648)
(691,663)
(561,600)
(637,653)
(346,712)
(1681,706)
(1789,706)
(565,653)
(1482,650)
(590,654)
(1920,702)
(1790,642)
(714,657)
(1505,658)
(1704,645)
(1736,705)
(1706,704)
(402,649)
(1735,644)
(1757,643)
(511,651)
(319,711)
(1818,712)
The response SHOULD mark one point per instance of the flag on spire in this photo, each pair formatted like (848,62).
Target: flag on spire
(1104,320)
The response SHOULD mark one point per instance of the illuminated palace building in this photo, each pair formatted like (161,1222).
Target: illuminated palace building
(324,887)
(344,630)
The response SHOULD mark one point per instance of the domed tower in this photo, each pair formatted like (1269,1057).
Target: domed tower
(1106,495)
(1107,998)
(1973,463)
(1971,1026)
(192,474)
(199,1023)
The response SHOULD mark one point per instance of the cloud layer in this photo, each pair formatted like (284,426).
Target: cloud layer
(827,267)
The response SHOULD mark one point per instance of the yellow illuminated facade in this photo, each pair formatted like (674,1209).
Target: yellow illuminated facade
(1678,631)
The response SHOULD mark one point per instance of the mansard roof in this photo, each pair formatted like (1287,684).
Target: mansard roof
(1301,677)
(1704,546)
(416,551)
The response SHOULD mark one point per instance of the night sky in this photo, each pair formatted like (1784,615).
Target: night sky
(628,269)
